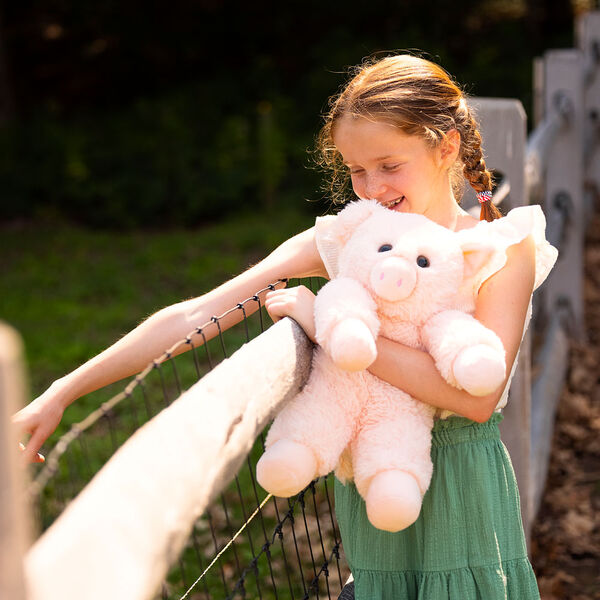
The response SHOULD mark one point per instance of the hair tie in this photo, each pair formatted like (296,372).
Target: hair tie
(484,197)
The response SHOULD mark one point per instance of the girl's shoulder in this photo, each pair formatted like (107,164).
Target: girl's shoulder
(507,236)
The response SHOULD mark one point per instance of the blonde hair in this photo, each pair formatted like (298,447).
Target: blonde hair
(418,97)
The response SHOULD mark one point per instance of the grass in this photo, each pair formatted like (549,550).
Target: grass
(72,292)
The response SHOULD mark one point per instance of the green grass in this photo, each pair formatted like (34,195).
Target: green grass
(72,292)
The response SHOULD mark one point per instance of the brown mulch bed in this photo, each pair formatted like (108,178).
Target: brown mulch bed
(566,535)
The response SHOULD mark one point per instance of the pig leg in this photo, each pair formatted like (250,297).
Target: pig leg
(391,456)
(310,433)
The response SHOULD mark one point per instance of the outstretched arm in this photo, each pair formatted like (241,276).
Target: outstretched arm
(501,306)
(297,257)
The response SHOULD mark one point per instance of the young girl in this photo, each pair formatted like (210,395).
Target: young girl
(403,132)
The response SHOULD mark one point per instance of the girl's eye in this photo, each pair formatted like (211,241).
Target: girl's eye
(385,248)
(422,261)
(391,167)
(355,171)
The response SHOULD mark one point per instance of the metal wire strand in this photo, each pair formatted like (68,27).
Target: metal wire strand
(242,505)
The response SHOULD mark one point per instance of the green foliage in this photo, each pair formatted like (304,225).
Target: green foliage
(156,162)
(130,118)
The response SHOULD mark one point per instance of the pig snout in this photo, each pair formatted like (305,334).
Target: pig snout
(394,278)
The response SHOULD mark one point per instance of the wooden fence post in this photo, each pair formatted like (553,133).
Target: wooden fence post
(563,198)
(503,130)
(562,300)
(14,532)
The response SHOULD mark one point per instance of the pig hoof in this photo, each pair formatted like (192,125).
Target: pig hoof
(286,468)
(393,500)
(352,345)
(479,370)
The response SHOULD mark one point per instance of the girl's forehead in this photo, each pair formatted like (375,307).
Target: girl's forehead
(359,139)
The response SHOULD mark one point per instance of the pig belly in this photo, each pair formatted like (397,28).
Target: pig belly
(403,332)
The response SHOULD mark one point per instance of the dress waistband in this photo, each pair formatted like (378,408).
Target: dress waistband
(457,430)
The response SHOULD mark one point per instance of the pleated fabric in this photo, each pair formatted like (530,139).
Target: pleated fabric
(468,542)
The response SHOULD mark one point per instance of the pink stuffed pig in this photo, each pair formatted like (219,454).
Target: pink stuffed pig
(401,276)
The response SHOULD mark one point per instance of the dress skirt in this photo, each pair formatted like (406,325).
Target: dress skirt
(467,543)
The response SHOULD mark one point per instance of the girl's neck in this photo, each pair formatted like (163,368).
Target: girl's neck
(449,214)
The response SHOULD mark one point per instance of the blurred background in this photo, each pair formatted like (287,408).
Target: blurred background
(151,150)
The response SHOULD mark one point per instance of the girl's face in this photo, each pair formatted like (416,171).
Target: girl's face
(400,171)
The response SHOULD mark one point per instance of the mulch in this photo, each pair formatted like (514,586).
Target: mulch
(566,534)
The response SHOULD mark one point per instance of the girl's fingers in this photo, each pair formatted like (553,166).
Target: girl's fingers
(277,294)
(38,458)
(30,453)
(276,310)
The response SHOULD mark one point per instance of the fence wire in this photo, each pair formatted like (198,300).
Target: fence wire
(247,544)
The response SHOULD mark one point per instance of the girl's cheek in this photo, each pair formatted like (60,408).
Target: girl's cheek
(357,186)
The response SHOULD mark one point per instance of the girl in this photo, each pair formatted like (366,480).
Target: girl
(401,130)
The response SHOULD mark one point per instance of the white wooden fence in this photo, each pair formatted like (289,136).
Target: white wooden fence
(558,166)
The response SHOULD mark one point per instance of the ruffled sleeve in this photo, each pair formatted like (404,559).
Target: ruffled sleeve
(519,223)
(327,245)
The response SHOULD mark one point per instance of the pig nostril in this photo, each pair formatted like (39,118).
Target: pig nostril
(399,282)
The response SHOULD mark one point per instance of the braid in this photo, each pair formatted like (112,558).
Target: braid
(474,167)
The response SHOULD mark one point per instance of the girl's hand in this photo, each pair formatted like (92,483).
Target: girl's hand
(297,303)
(39,418)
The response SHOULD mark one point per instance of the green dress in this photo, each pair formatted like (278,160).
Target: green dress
(467,543)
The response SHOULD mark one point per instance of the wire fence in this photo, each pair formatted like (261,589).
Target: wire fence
(247,544)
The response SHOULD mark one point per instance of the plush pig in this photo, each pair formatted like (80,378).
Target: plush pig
(404,277)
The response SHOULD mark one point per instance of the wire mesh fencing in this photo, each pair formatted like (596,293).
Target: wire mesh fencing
(248,544)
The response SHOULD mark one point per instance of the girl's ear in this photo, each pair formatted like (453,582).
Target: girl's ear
(449,148)
(353,215)
(476,254)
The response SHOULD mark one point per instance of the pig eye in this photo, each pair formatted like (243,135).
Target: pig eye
(422,261)
(385,248)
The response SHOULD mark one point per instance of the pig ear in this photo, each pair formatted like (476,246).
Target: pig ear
(476,254)
(353,215)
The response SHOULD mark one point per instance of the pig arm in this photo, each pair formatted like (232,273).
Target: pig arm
(467,354)
(346,323)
